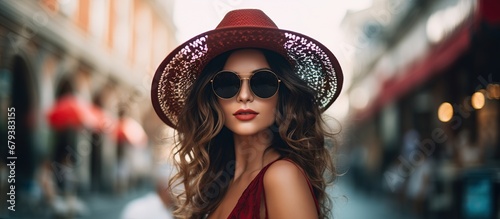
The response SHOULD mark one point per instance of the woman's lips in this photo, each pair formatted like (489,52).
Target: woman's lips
(245,114)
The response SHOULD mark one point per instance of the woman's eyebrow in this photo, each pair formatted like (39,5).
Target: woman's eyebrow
(260,69)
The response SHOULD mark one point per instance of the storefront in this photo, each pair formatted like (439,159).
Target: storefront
(437,120)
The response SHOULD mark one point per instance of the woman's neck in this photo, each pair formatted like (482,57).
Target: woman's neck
(251,153)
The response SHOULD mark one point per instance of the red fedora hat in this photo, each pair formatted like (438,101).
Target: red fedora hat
(244,28)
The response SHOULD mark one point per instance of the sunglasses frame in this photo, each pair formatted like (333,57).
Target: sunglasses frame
(249,84)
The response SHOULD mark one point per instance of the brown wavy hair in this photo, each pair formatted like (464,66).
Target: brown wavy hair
(204,148)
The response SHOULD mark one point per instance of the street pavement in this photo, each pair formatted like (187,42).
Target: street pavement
(110,207)
(352,203)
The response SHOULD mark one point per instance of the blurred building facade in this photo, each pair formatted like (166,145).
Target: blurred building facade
(101,53)
(425,104)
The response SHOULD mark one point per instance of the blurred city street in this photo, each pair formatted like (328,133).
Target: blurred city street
(348,203)
(418,117)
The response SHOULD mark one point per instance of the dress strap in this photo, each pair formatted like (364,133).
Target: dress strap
(248,205)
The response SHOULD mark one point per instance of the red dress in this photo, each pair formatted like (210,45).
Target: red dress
(248,206)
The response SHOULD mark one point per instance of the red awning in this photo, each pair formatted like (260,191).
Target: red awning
(127,130)
(71,112)
(104,120)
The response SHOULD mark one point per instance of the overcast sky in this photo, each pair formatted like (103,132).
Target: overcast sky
(316,18)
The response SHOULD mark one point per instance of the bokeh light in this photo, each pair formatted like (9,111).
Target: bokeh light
(445,112)
(477,100)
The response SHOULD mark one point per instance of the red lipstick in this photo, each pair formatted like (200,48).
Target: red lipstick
(245,114)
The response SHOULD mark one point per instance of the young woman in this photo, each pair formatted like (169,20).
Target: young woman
(246,100)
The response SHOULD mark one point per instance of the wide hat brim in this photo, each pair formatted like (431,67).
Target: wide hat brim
(312,62)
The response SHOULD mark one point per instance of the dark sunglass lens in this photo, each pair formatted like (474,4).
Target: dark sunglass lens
(264,84)
(226,84)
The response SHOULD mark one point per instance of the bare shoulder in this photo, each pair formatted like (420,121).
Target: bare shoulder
(283,170)
(287,192)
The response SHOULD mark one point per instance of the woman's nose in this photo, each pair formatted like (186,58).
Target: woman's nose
(245,94)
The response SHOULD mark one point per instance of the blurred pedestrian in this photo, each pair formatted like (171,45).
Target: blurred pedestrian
(246,100)
(53,201)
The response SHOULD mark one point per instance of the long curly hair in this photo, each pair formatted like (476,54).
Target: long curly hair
(204,147)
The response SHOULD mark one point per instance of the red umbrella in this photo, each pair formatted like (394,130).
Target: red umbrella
(130,131)
(69,111)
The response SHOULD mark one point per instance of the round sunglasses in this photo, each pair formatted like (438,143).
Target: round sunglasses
(263,82)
